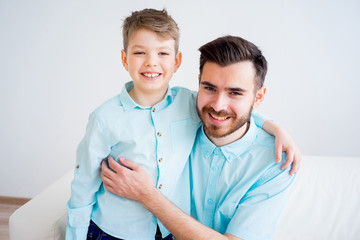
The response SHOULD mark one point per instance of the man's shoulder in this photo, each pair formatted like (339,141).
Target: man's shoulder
(264,139)
(263,149)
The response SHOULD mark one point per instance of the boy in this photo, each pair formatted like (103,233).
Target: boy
(148,123)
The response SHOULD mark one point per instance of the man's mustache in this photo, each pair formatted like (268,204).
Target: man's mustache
(221,113)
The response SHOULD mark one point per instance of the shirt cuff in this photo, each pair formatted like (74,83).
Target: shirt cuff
(76,233)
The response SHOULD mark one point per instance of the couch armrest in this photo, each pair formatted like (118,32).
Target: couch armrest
(324,201)
(44,216)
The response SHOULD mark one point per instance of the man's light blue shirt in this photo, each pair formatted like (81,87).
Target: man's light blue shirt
(238,188)
(159,138)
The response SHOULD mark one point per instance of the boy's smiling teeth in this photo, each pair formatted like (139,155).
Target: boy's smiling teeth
(151,74)
(218,118)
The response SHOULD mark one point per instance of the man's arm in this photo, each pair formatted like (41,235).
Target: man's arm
(132,182)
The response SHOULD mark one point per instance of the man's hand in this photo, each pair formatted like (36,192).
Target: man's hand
(130,181)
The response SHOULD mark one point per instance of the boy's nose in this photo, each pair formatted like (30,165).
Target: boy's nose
(151,60)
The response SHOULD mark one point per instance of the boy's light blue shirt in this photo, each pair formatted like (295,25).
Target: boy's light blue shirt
(238,188)
(159,138)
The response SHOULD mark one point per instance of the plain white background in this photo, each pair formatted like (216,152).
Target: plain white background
(61,59)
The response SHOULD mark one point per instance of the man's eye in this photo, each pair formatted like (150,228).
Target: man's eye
(210,89)
(235,93)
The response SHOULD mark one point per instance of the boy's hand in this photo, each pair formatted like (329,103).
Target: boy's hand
(284,143)
(130,181)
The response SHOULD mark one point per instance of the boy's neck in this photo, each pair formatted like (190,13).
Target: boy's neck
(146,99)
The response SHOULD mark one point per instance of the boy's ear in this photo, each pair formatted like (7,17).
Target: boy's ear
(259,97)
(178,59)
(124,59)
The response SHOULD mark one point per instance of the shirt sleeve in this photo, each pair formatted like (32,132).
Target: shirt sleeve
(91,151)
(259,118)
(259,211)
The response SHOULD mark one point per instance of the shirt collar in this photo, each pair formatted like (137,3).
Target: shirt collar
(230,151)
(129,104)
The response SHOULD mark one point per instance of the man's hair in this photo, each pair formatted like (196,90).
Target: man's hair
(228,50)
(157,21)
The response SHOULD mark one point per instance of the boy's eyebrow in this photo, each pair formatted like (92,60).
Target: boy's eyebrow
(232,89)
(160,48)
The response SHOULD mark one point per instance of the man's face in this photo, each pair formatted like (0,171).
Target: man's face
(225,99)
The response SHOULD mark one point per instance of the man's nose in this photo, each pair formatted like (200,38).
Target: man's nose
(219,102)
(151,60)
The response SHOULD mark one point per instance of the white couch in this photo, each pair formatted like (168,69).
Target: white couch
(324,203)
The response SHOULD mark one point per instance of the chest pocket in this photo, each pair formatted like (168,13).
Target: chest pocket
(183,134)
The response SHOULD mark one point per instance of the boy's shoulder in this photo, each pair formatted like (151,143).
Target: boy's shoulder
(110,106)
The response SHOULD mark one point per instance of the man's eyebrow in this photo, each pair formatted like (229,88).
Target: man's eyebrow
(236,89)
(207,84)
(231,89)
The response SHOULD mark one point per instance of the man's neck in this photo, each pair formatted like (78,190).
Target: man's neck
(222,141)
(145,99)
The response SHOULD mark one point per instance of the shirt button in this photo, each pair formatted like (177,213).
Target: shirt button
(210,201)
(215,168)
(160,159)
(160,186)
(159,134)
(153,109)
(77,166)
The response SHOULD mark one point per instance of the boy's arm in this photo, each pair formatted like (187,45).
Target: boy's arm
(283,142)
(134,183)
(92,149)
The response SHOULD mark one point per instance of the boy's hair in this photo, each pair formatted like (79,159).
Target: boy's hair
(231,49)
(158,21)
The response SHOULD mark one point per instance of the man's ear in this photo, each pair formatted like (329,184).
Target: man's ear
(124,59)
(259,97)
(178,59)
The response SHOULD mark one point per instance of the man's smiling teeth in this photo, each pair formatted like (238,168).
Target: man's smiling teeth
(151,74)
(218,118)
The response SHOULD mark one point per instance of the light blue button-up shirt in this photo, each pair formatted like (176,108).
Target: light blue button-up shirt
(238,188)
(159,138)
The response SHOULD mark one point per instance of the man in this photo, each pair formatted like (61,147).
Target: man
(238,191)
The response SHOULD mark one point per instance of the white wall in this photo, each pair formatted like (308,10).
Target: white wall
(61,59)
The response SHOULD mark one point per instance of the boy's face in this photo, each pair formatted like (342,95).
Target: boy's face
(151,61)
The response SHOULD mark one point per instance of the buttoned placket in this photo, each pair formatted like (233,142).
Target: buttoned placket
(216,165)
(159,141)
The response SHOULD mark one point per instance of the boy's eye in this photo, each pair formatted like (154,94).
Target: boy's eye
(164,53)
(138,53)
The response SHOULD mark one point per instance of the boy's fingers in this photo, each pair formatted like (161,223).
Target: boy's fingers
(278,153)
(296,165)
(290,159)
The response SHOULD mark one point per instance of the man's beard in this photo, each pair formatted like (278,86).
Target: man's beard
(215,131)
